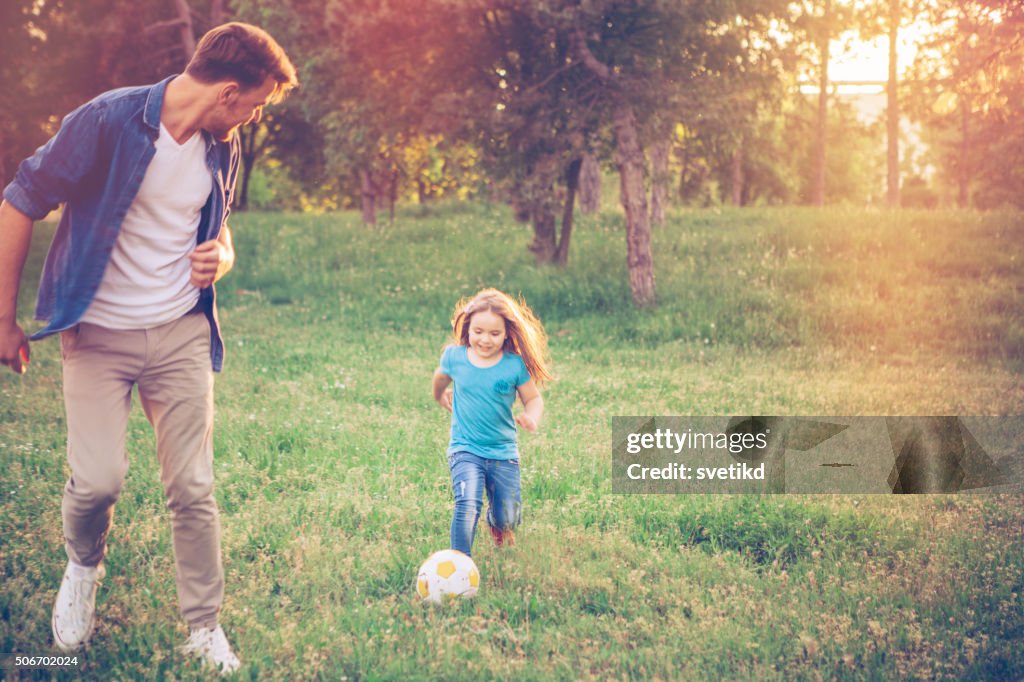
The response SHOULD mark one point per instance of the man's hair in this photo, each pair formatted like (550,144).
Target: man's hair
(242,53)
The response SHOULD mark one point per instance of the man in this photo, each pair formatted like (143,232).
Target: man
(147,176)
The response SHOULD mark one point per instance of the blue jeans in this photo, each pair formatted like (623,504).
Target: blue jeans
(471,475)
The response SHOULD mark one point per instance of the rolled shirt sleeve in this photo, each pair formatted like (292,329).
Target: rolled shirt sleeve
(57,169)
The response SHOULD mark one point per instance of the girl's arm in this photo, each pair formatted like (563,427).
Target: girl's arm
(534,405)
(440,384)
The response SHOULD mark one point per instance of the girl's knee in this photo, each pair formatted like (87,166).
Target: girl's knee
(506,516)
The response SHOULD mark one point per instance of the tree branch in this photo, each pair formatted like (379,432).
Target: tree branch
(554,74)
(161,25)
(582,51)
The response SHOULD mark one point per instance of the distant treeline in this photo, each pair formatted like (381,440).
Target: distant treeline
(525,101)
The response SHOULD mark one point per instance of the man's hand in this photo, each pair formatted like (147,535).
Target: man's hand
(210,261)
(15,236)
(14,351)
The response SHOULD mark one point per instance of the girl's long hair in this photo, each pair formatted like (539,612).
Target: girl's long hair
(524,333)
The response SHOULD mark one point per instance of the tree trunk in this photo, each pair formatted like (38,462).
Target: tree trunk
(590,185)
(368,196)
(247,140)
(572,181)
(964,172)
(893,109)
(684,158)
(659,182)
(520,206)
(216,13)
(737,173)
(543,245)
(188,39)
(692,175)
(242,203)
(392,196)
(630,160)
(4,176)
(818,194)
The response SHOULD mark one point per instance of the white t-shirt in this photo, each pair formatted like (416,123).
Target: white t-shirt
(146,282)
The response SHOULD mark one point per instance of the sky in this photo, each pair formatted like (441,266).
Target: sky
(858,60)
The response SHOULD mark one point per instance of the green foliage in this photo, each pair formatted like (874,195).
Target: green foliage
(482,94)
(855,163)
(56,55)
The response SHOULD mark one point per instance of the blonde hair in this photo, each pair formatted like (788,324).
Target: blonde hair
(524,333)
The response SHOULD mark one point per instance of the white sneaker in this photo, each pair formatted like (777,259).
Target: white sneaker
(75,609)
(212,647)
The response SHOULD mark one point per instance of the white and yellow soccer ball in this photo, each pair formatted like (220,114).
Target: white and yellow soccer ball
(447,575)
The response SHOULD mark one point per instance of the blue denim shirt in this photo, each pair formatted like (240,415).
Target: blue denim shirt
(95,165)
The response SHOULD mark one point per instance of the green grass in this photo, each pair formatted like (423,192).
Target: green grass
(333,486)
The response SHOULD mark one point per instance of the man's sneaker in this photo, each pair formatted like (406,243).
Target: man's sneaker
(503,537)
(75,609)
(212,647)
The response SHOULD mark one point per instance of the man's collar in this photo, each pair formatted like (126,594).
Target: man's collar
(155,102)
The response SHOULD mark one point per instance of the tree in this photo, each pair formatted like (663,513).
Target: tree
(969,90)
(821,129)
(816,24)
(351,107)
(56,55)
(887,19)
(660,179)
(531,124)
(630,161)
(590,184)
(23,91)
(893,109)
(657,62)
(493,74)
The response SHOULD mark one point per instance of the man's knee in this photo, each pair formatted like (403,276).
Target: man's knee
(97,491)
(195,498)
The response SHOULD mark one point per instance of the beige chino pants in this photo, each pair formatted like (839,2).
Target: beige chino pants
(171,366)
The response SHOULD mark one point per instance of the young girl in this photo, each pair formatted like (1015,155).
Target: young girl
(500,351)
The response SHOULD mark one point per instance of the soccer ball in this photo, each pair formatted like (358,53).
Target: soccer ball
(446,576)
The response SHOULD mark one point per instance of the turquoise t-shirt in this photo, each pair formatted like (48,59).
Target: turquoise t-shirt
(482,407)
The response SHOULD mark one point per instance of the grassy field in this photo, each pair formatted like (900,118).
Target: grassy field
(333,485)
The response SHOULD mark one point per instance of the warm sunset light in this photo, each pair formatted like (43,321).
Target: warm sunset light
(862,66)
(423,340)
